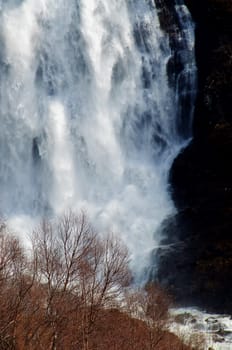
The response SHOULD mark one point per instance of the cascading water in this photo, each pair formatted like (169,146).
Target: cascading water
(89,118)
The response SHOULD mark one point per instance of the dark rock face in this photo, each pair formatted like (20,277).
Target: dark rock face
(196,261)
(174,20)
(214,60)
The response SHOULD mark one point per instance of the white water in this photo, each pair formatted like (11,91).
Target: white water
(88,119)
(216,330)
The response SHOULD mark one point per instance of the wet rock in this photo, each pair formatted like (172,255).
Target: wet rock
(197,267)
(184,318)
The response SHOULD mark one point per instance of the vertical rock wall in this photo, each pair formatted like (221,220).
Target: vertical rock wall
(196,261)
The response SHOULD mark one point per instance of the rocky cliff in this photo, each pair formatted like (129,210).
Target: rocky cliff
(196,264)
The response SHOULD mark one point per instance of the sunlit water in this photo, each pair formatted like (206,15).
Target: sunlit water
(88,118)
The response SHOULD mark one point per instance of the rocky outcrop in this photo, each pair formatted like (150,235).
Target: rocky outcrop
(196,261)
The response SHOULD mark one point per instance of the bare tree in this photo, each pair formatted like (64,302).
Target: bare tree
(75,283)
(73,262)
(59,250)
(156,307)
(102,280)
(150,305)
(15,283)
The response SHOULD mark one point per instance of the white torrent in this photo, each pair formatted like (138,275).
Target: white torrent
(88,117)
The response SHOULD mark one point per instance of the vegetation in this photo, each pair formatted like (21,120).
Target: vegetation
(72,292)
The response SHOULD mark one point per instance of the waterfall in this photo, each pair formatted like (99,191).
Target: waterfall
(90,118)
